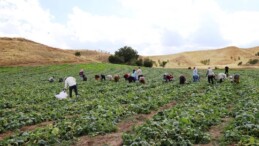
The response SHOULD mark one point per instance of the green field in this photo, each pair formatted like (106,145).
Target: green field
(27,98)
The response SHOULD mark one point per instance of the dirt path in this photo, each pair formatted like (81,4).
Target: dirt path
(25,128)
(115,139)
(216,131)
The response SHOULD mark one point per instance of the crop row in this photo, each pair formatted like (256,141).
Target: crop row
(28,99)
(188,123)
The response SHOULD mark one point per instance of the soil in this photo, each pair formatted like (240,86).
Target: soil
(115,139)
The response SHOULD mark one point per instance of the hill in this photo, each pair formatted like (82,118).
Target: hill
(20,51)
(230,56)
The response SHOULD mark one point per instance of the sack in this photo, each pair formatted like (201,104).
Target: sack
(61,95)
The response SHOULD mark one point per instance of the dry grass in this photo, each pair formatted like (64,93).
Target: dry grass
(230,56)
(19,51)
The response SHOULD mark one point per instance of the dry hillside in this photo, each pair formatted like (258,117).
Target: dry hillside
(230,56)
(19,51)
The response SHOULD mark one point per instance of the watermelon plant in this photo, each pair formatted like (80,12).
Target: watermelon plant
(27,98)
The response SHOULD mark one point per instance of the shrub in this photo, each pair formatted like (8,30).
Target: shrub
(163,63)
(148,62)
(206,62)
(139,62)
(253,61)
(240,63)
(257,54)
(77,53)
(115,59)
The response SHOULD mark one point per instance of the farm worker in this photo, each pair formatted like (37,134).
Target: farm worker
(182,79)
(210,75)
(236,78)
(139,73)
(51,79)
(195,75)
(226,70)
(103,78)
(116,78)
(134,75)
(109,77)
(167,77)
(142,80)
(81,74)
(71,82)
(126,76)
(221,77)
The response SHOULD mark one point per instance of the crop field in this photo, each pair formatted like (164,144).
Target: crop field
(157,113)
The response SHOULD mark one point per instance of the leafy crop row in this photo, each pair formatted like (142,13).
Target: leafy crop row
(27,98)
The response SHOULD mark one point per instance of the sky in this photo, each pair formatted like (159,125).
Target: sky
(152,27)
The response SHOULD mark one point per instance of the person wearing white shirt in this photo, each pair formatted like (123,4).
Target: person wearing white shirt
(221,77)
(210,75)
(139,73)
(71,82)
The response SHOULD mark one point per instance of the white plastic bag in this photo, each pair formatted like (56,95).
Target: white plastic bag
(61,95)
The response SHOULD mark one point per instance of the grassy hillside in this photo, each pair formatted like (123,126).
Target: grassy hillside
(19,51)
(230,56)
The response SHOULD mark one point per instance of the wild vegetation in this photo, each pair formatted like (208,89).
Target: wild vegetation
(129,56)
(206,62)
(27,99)
(253,61)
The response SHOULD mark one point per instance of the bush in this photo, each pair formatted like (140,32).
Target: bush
(189,67)
(257,54)
(139,62)
(77,53)
(206,62)
(240,63)
(163,63)
(216,68)
(115,59)
(148,62)
(253,61)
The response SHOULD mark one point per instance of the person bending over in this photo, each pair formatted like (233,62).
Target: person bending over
(71,83)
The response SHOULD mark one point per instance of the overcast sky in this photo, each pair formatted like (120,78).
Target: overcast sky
(152,27)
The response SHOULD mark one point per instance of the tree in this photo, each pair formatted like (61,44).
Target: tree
(127,54)
(148,62)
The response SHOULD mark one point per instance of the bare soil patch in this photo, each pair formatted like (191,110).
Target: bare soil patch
(216,132)
(115,139)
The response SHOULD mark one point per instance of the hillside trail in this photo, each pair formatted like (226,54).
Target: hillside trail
(115,138)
